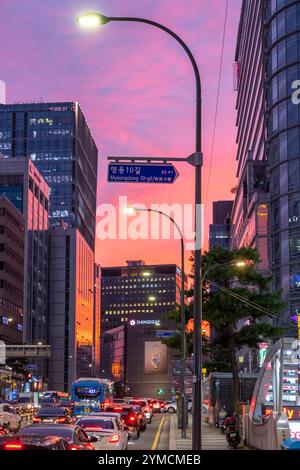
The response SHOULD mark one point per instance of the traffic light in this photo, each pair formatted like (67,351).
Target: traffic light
(160,391)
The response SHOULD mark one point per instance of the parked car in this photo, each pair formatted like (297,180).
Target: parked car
(57,415)
(145,406)
(33,443)
(111,434)
(9,418)
(129,418)
(75,436)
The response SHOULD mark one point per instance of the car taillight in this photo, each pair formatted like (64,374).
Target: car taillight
(13,446)
(117,408)
(114,438)
(60,420)
(147,408)
(132,419)
(36,420)
(73,447)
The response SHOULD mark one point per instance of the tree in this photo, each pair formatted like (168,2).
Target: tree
(235,323)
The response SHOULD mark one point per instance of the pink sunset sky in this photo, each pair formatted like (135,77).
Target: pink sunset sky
(136,88)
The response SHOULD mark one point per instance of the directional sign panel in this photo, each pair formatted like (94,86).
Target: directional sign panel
(141,173)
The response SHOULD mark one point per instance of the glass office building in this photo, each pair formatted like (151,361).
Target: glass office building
(266,208)
(56,137)
(282,68)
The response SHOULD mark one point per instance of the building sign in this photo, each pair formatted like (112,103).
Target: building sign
(144,322)
(155,357)
(116,370)
(292,412)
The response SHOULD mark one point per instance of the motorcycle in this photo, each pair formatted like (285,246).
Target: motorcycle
(221,421)
(232,433)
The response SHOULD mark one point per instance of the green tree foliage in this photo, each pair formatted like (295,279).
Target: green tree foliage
(235,324)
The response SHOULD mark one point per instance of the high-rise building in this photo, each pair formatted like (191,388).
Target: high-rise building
(266,209)
(251,206)
(219,230)
(138,292)
(12,238)
(57,138)
(23,185)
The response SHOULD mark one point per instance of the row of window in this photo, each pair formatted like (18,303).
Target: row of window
(126,312)
(284,115)
(286,22)
(274,5)
(134,286)
(11,307)
(11,271)
(9,251)
(285,145)
(4,212)
(6,231)
(281,84)
(285,53)
(136,279)
(7,286)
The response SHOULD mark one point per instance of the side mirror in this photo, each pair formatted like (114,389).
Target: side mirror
(93,439)
(126,428)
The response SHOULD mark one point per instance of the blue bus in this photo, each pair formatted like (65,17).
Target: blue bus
(88,395)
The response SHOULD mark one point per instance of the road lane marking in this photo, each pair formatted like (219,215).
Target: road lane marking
(157,435)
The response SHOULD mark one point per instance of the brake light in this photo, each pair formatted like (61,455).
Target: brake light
(13,446)
(114,438)
(132,419)
(36,420)
(72,447)
(60,420)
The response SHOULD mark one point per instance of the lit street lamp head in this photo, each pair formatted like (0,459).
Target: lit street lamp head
(91,20)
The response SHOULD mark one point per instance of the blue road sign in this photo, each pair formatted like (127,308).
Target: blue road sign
(141,173)
(164,333)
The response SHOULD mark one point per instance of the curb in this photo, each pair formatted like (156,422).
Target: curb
(172,436)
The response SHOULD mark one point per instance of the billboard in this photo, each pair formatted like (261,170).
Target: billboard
(155,357)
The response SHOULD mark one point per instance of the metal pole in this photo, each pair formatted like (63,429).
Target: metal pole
(197,162)
(183,344)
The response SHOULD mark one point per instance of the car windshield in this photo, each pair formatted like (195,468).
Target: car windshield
(60,431)
(51,411)
(138,402)
(24,399)
(96,423)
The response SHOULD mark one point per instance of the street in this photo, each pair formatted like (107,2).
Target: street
(156,437)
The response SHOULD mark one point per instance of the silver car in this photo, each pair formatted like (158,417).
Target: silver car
(110,432)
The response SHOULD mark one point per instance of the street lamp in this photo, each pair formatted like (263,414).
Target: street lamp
(94,19)
(132,210)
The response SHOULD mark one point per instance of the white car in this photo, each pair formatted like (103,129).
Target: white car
(107,428)
(8,418)
(172,407)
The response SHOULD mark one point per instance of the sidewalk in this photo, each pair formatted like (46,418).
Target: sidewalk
(212,438)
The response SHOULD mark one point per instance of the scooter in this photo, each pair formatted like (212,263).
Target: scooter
(232,433)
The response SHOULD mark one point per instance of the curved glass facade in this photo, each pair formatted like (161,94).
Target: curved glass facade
(282,61)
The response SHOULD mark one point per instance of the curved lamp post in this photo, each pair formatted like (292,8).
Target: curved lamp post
(132,210)
(94,20)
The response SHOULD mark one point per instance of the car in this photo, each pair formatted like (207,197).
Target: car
(57,415)
(158,406)
(9,418)
(141,417)
(110,432)
(33,443)
(129,418)
(118,401)
(145,406)
(172,407)
(48,401)
(75,436)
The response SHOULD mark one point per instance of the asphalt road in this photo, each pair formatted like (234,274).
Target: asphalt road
(156,436)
